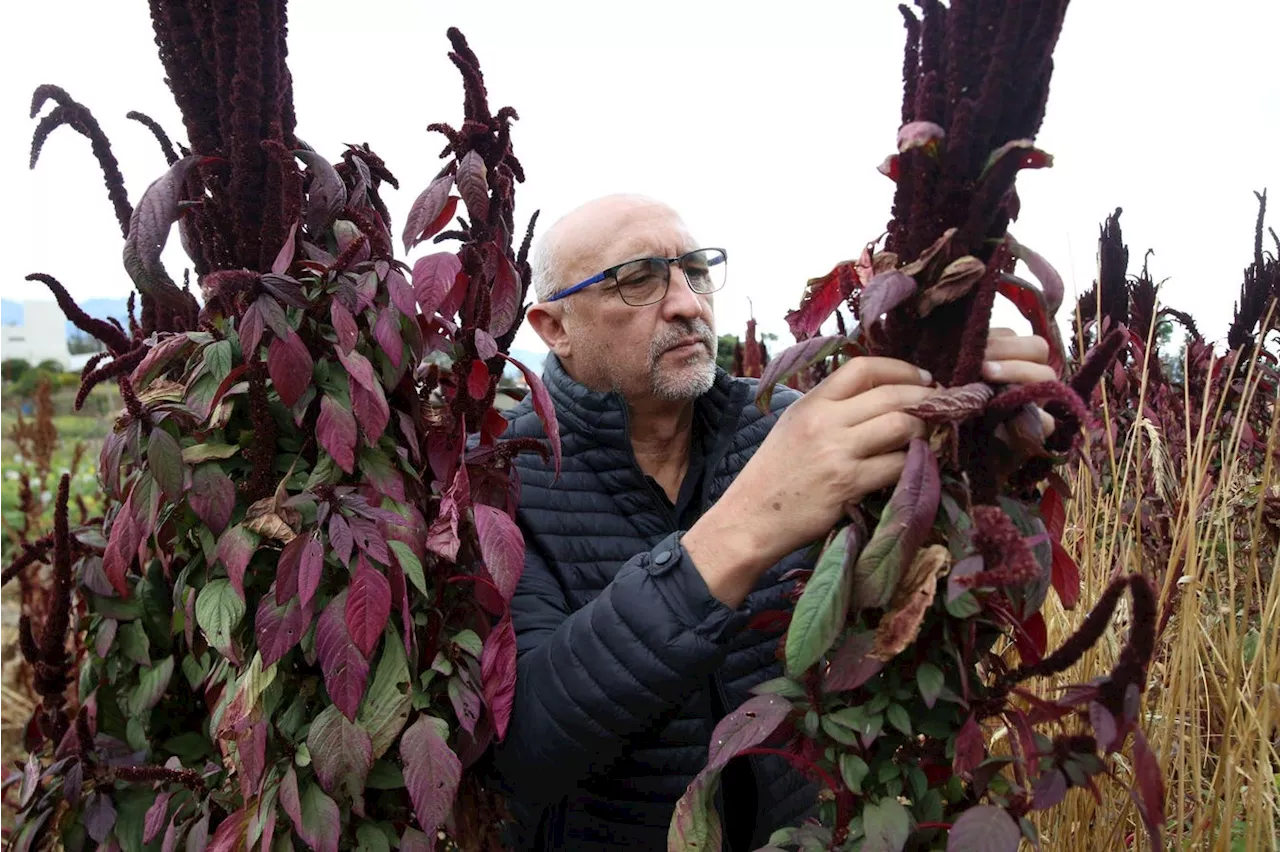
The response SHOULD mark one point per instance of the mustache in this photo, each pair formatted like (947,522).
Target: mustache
(674,334)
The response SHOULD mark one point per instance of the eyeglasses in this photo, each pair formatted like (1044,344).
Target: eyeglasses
(645,281)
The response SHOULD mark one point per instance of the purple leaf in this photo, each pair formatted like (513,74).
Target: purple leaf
(1050,281)
(279,628)
(1103,724)
(387,332)
(466,703)
(401,293)
(156,819)
(149,228)
(326,194)
(478,380)
(793,360)
(544,407)
(310,569)
(164,457)
(289,364)
(341,753)
(966,567)
(952,405)
(340,537)
(486,346)
(883,293)
(904,524)
(315,816)
(984,828)
(370,539)
(336,432)
(198,836)
(501,547)
(1027,155)
(695,824)
(852,665)
(430,211)
(415,841)
(368,606)
(821,297)
(346,671)
(122,548)
(286,583)
(371,410)
(274,316)
(99,815)
(159,357)
(956,280)
(1150,787)
(284,259)
(434,277)
(498,674)
(970,749)
(251,748)
(250,331)
(345,325)
(30,780)
(1050,790)
(231,832)
(473,185)
(431,772)
(379,472)
(504,299)
(359,369)
(236,547)
(212,496)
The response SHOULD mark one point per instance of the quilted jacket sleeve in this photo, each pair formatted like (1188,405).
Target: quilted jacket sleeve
(589,681)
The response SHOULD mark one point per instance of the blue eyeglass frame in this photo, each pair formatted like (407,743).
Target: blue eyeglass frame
(613,270)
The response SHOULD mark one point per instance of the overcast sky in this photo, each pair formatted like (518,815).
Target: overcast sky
(762,124)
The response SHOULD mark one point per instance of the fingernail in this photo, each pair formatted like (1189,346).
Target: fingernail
(925,377)
(994,369)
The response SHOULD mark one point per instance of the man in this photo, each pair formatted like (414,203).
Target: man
(679,510)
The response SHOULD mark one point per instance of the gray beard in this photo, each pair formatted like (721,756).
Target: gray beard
(690,382)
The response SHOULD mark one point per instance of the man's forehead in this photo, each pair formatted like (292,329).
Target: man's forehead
(615,229)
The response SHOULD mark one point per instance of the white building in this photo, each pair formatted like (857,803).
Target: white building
(41,337)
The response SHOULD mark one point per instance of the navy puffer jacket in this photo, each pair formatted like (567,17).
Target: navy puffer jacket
(626,661)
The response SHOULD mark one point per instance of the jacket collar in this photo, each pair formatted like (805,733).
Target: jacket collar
(601,417)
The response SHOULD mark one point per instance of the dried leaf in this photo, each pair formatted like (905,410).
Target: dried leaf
(911,600)
(957,279)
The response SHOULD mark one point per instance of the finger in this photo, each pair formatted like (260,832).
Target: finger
(1047,423)
(1017,372)
(1018,348)
(859,375)
(885,434)
(878,401)
(1001,332)
(876,473)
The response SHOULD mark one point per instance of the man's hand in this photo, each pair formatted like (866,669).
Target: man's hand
(1013,359)
(840,442)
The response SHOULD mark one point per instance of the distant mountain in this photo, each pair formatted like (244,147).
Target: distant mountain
(11,312)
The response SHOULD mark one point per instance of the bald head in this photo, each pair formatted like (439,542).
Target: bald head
(601,233)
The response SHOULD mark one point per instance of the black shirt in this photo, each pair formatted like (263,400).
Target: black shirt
(737,782)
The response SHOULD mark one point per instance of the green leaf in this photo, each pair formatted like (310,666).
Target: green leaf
(838,732)
(209,452)
(930,681)
(152,682)
(384,775)
(897,716)
(217,360)
(341,753)
(410,564)
(218,612)
(887,825)
(820,613)
(369,838)
(903,526)
(784,686)
(468,641)
(164,457)
(964,606)
(134,644)
(853,770)
(385,708)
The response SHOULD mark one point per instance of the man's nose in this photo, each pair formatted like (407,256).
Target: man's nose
(680,300)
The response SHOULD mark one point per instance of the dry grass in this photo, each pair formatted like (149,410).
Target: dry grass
(1213,699)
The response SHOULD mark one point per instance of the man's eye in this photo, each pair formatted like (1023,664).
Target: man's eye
(633,281)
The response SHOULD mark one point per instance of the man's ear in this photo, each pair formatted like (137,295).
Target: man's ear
(546,319)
